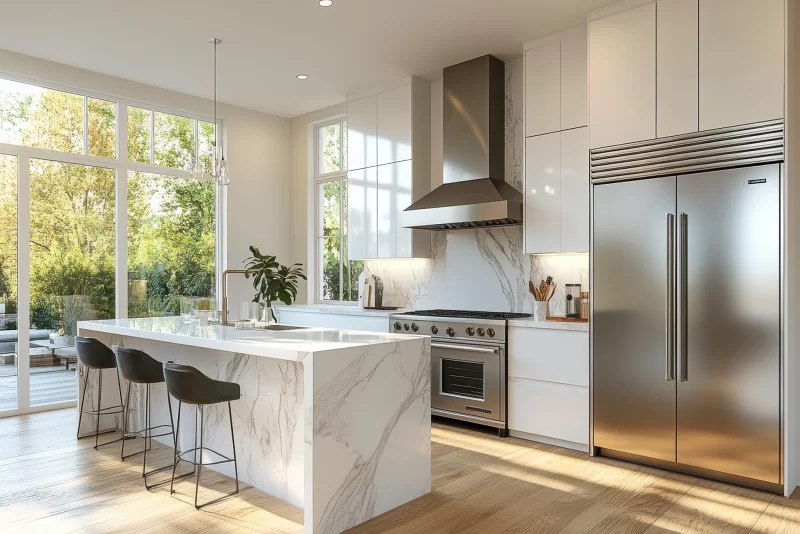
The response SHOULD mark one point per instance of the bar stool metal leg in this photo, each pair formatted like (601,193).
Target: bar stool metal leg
(175,459)
(83,399)
(125,422)
(200,464)
(233,445)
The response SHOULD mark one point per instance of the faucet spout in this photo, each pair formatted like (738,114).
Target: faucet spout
(225,273)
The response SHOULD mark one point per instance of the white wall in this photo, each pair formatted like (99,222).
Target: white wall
(257,150)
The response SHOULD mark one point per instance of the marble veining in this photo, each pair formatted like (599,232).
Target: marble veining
(480,270)
(343,432)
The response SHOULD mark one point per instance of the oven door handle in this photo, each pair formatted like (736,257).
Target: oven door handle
(465,348)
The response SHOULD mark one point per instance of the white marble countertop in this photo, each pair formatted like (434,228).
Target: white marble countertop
(337,309)
(548,325)
(283,345)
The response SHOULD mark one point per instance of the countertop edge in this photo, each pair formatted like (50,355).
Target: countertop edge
(549,325)
(266,349)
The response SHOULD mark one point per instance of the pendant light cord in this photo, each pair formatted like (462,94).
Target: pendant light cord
(216,127)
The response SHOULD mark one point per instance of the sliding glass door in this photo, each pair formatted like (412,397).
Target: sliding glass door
(112,223)
(72,255)
(9,359)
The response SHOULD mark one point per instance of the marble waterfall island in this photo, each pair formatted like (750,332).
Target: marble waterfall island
(334,421)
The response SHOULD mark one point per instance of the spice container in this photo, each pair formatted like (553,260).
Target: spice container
(584,305)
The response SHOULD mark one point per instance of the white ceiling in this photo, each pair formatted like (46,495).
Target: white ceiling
(350,47)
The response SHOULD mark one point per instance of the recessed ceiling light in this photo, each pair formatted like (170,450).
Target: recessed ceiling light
(302,76)
(326,3)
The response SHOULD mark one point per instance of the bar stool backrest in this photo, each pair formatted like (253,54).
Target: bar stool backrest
(138,366)
(190,386)
(94,354)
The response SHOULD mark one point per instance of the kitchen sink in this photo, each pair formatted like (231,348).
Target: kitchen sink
(280,327)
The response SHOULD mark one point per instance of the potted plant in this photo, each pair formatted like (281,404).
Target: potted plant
(272,281)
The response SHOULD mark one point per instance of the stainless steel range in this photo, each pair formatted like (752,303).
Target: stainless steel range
(468,362)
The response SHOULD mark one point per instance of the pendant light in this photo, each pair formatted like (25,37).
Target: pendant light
(220,170)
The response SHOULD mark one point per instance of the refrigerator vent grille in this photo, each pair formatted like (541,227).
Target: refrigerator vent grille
(738,146)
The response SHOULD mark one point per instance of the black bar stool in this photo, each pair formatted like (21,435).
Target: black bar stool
(93,354)
(138,367)
(190,386)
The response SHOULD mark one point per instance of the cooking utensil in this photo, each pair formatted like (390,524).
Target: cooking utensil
(552,291)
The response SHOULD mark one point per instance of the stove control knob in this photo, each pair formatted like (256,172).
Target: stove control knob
(451,332)
(398,326)
(481,332)
(470,331)
(434,330)
(414,327)
(490,331)
(406,327)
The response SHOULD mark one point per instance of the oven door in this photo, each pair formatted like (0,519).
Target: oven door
(467,379)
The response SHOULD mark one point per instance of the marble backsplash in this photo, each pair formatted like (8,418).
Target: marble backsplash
(478,270)
(483,269)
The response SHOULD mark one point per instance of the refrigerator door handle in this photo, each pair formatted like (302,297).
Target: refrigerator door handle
(670,300)
(683,288)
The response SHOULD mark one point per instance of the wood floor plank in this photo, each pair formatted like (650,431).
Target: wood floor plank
(481,484)
(713,507)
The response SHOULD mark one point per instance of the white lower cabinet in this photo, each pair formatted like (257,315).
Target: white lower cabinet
(548,386)
(549,411)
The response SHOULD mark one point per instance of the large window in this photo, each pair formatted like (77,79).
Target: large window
(171,240)
(65,153)
(337,275)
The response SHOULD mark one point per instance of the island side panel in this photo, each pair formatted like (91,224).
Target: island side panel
(368,434)
(267,419)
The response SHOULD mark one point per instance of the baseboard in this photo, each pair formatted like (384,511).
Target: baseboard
(580,447)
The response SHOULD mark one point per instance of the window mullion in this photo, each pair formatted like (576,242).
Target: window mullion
(121,215)
(85,125)
(152,137)
(341,246)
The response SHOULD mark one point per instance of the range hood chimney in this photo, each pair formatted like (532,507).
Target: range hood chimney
(474,193)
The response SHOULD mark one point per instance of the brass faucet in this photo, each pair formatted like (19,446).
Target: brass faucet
(224,313)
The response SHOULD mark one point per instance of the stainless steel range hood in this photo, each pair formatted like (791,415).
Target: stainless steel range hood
(474,193)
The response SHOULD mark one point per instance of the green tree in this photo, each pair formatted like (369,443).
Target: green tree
(72,207)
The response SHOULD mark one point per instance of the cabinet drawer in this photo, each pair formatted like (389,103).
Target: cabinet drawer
(552,355)
(551,410)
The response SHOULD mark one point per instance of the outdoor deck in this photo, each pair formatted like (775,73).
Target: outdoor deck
(48,385)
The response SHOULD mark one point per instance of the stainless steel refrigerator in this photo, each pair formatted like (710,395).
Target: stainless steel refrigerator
(686,322)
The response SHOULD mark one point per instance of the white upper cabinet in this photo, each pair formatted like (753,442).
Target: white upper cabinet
(677,57)
(394,125)
(557,192)
(574,82)
(543,89)
(543,193)
(362,132)
(622,77)
(395,189)
(557,143)
(741,62)
(556,95)
(362,213)
(389,133)
(575,190)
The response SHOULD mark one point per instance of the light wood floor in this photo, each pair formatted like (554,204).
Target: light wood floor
(49,482)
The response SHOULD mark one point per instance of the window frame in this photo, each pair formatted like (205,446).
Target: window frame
(121,167)
(319,178)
